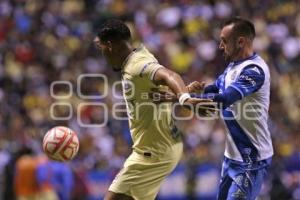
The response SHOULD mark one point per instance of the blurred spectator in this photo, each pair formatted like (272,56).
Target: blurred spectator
(26,183)
(56,175)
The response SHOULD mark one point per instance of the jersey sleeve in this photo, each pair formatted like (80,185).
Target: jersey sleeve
(224,100)
(220,80)
(147,69)
(211,89)
(249,81)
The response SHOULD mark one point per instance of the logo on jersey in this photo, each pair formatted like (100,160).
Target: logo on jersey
(255,69)
(248,79)
(145,66)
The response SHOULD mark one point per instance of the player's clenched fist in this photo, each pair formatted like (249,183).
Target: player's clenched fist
(196,87)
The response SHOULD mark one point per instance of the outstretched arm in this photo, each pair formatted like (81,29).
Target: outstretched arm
(213,88)
(171,79)
(249,81)
(181,93)
(227,98)
(163,76)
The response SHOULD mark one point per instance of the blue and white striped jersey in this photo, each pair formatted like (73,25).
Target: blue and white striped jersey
(248,137)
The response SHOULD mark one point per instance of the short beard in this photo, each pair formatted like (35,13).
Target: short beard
(235,54)
(227,58)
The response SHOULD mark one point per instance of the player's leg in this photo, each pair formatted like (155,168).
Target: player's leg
(141,176)
(224,187)
(240,188)
(153,170)
(148,186)
(247,185)
(115,196)
(139,181)
(259,176)
(225,182)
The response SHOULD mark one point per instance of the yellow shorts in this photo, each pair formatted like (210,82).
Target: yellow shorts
(141,176)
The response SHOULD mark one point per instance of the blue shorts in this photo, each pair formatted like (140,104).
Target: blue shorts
(241,180)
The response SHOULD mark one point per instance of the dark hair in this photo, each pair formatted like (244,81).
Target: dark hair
(241,27)
(114,29)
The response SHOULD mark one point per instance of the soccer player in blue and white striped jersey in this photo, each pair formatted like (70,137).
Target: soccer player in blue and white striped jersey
(243,94)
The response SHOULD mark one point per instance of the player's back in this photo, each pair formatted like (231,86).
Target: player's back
(151,125)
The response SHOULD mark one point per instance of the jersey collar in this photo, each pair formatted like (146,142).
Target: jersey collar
(242,60)
(130,55)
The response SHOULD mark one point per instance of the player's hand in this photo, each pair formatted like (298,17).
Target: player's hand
(196,87)
(159,96)
(195,101)
(204,107)
(206,110)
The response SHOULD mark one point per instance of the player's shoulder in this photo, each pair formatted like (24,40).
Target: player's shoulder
(253,69)
(143,55)
(255,64)
(141,59)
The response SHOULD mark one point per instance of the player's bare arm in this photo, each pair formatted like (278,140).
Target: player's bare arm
(166,95)
(171,79)
(163,95)
(164,76)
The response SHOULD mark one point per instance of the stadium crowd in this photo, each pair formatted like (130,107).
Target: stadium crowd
(46,41)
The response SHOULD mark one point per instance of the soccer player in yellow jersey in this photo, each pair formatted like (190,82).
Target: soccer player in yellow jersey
(157,146)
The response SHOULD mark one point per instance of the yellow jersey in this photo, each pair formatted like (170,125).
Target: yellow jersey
(151,125)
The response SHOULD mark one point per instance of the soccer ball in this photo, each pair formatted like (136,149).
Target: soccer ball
(61,143)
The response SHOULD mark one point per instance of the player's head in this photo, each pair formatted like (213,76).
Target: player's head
(113,38)
(237,34)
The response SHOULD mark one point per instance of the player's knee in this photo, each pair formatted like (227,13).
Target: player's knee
(115,196)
